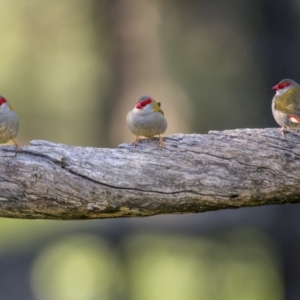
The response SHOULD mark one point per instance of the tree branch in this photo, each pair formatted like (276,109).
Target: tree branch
(191,173)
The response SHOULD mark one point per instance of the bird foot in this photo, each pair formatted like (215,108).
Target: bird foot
(282,132)
(136,141)
(160,142)
(17,147)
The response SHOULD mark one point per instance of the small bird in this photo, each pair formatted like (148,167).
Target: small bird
(147,119)
(9,122)
(286,104)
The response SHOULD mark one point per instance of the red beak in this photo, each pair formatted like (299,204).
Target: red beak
(275,87)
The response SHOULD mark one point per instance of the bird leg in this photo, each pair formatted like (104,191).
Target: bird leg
(282,132)
(16,144)
(160,141)
(136,141)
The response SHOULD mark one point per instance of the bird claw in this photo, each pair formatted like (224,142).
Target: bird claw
(160,142)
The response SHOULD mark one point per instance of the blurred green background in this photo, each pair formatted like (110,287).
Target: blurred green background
(73,69)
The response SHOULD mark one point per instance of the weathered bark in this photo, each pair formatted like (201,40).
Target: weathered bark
(191,173)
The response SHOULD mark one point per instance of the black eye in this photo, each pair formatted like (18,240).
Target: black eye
(159,104)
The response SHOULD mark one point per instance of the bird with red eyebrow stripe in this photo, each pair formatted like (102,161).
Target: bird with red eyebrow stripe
(9,122)
(286,104)
(147,119)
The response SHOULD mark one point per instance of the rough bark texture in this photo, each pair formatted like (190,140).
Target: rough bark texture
(191,173)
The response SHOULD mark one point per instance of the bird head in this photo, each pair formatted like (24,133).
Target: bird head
(146,105)
(4,105)
(284,86)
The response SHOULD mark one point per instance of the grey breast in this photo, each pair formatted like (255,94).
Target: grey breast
(147,125)
(9,125)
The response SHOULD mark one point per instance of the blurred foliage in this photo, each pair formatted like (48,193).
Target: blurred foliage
(75,268)
(215,65)
(52,69)
(241,266)
(73,69)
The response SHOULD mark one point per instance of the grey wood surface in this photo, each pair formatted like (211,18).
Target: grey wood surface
(191,173)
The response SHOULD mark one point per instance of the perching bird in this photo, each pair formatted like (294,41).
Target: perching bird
(147,119)
(286,104)
(9,122)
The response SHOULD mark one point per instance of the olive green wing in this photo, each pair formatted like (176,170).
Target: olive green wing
(289,102)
